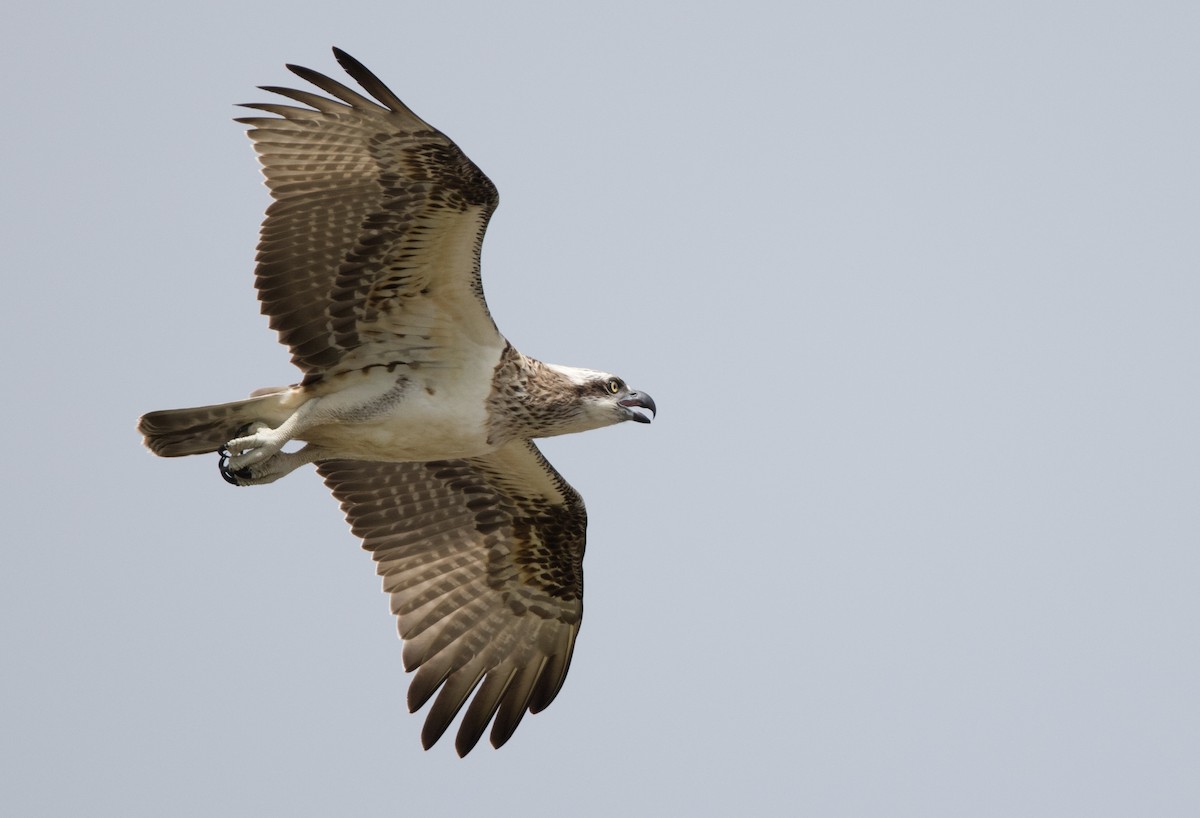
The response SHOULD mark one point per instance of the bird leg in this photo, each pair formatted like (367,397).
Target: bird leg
(258,444)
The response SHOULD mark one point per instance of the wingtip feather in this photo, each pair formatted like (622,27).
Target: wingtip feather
(483,707)
(372,84)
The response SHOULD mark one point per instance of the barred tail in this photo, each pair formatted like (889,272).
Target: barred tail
(203,429)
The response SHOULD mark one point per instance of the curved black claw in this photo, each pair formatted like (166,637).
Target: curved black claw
(229,475)
(243,430)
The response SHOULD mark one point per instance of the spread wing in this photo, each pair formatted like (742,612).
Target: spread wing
(483,559)
(370,251)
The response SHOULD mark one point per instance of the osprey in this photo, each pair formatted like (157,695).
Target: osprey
(417,412)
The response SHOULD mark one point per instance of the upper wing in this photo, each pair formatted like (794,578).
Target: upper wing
(370,250)
(483,559)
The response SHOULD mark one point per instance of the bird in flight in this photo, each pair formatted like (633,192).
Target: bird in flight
(419,415)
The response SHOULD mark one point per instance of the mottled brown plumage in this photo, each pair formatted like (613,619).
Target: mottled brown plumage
(485,571)
(361,190)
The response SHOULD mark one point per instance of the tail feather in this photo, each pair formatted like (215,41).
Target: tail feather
(204,429)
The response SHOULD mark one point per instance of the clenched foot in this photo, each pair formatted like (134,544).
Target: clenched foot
(266,471)
(252,445)
(254,459)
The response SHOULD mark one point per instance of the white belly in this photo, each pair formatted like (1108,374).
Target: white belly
(423,414)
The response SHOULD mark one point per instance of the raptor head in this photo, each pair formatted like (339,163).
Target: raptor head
(603,399)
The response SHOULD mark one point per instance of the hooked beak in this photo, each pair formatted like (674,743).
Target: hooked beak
(642,401)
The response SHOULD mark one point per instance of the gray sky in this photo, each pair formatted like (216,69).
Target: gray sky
(916,531)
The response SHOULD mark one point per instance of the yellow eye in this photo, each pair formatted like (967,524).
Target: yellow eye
(614,386)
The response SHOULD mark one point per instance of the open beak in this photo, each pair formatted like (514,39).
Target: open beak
(642,401)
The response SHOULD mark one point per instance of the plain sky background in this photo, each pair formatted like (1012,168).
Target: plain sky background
(916,533)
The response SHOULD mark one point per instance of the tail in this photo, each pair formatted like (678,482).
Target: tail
(204,429)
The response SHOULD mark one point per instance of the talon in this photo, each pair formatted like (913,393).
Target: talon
(223,466)
(227,474)
(249,429)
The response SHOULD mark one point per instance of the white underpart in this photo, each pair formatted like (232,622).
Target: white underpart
(430,412)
